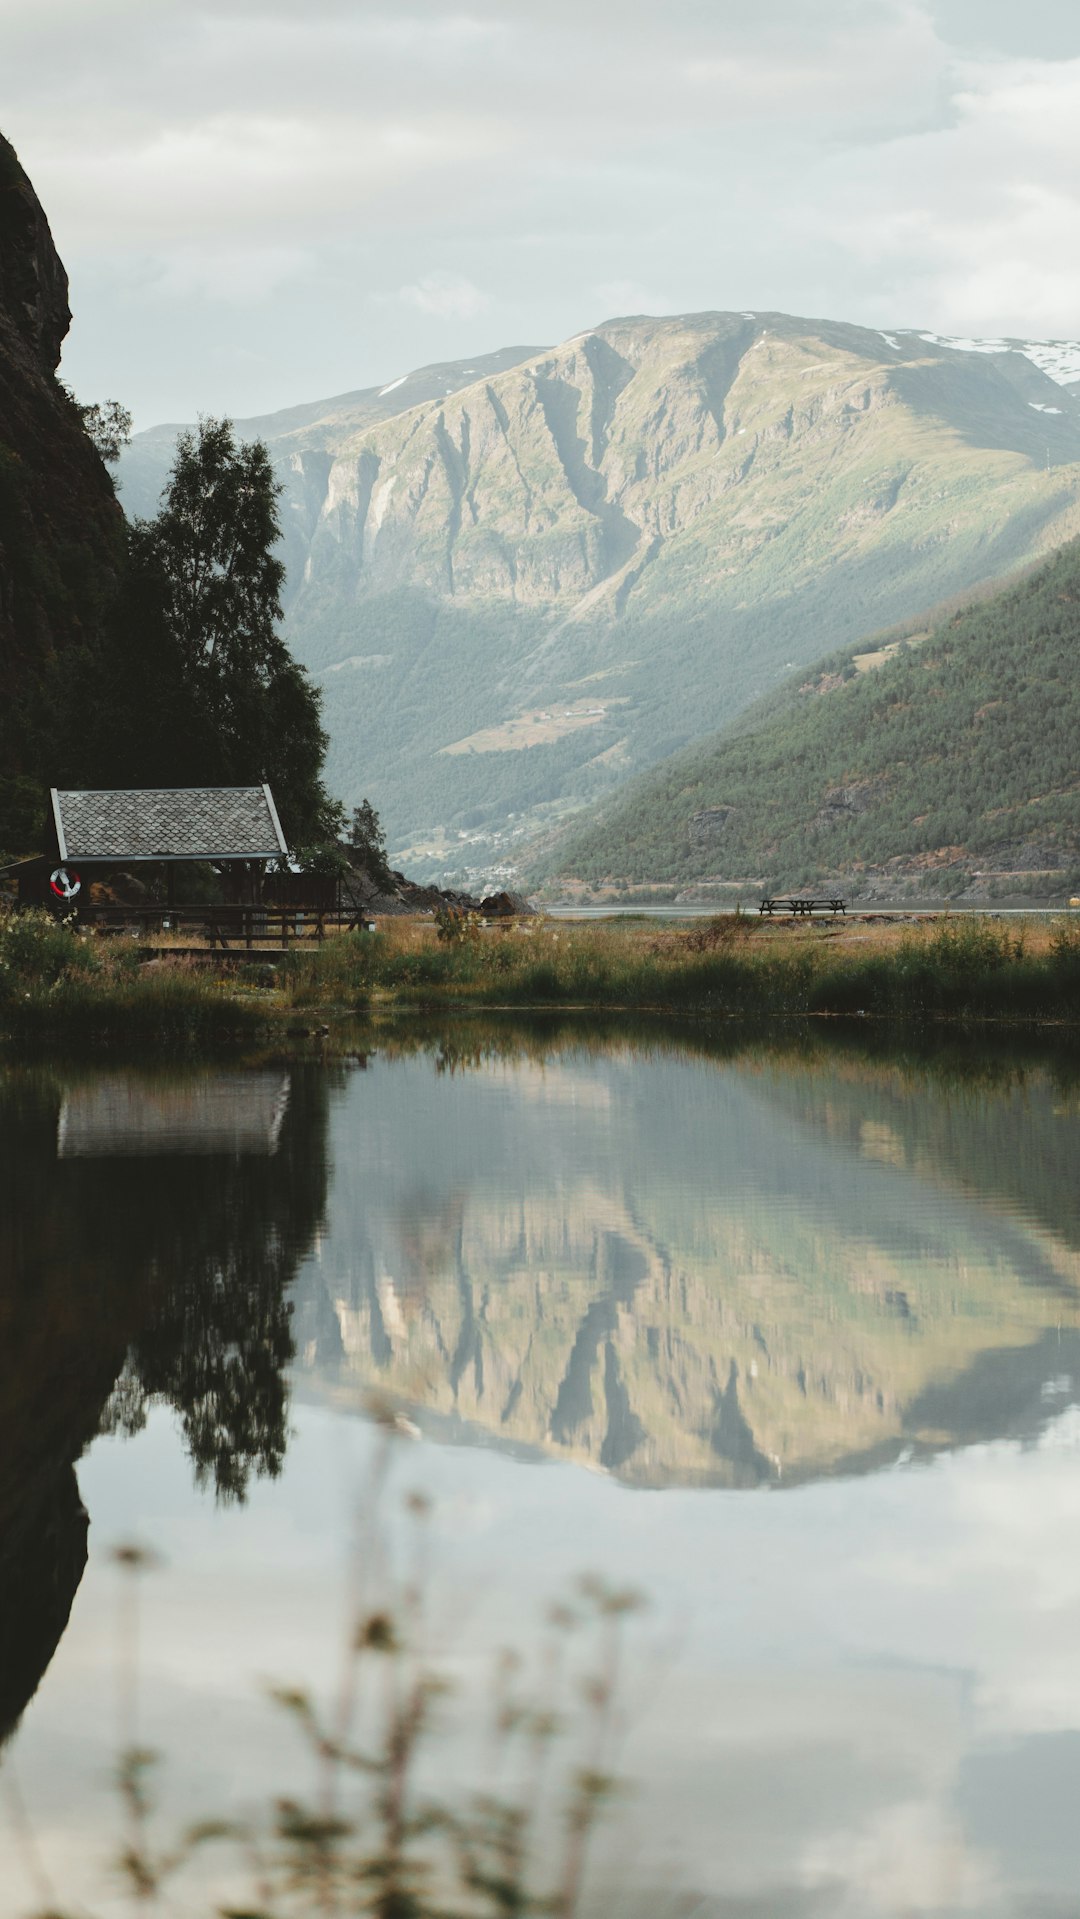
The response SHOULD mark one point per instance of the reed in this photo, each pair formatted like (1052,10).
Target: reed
(969,968)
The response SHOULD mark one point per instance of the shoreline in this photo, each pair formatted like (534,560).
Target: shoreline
(61,991)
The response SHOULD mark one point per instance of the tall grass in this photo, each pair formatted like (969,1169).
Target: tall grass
(59,989)
(963,968)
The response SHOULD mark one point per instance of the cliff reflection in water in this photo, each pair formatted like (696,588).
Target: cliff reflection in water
(740,1269)
(148,1234)
(742,1272)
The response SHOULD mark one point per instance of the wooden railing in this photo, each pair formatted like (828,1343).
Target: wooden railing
(225,927)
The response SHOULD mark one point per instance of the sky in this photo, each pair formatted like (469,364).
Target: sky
(261,202)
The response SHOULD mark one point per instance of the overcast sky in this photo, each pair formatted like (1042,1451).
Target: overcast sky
(267,201)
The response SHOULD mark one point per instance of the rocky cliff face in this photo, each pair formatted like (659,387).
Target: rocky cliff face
(520,581)
(567,481)
(60,525)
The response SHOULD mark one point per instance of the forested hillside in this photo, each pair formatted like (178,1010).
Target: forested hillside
(940,764)
(522,580)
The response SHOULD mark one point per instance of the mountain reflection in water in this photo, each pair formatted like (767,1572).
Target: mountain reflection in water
(690,1274)
(746,1270)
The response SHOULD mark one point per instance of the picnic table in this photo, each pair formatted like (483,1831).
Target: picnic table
(796,904)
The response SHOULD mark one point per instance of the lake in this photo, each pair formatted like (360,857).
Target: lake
(783,1335)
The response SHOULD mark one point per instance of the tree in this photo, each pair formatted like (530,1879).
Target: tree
(366,836)
(252,711)
(108,424)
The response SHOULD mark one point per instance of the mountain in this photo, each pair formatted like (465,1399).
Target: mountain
(941,763)
(60,525)
(520,581)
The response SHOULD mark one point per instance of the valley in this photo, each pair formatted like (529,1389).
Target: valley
(636,534)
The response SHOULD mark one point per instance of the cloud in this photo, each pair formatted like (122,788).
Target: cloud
(974,227)
(230,275)
(450,296)
(612,298)
(894,162)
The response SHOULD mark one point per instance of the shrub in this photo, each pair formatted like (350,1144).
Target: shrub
(36,951)
(455,926)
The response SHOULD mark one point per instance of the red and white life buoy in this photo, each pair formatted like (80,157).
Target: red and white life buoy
(64,884)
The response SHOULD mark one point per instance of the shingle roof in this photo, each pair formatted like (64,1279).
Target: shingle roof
(177,823)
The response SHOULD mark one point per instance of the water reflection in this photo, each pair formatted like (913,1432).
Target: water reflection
(686,1274)
(747,1270)
(148,1235)
(679,1263)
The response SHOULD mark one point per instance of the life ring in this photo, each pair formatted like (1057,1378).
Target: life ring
(64,884)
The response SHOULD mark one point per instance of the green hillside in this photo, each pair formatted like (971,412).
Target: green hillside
(523,580)
(941,764)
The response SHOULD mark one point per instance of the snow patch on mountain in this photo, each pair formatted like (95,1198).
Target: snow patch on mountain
(1058,359)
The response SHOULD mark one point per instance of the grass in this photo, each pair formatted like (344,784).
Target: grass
(84,995)
(732,966)
(60,990)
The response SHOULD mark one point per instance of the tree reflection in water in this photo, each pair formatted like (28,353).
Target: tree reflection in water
(133,1276)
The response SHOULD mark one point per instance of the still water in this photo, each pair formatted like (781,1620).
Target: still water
(788,1339)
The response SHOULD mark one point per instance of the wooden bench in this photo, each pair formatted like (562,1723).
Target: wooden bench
(806,906)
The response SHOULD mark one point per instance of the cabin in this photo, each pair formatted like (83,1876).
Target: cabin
(96,833)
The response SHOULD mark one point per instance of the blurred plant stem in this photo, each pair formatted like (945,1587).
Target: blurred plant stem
(374,1840)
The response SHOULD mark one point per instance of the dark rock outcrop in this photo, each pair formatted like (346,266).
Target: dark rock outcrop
(391,893)
(844,803)
(61,528)
(708,825)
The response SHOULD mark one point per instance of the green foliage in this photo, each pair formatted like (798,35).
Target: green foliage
(1065,943)
(954,755)
(22,814)
(193,684)
(454,926)
(107,423)
(59,989)
(37,952)
(215,537)
(206,573)
(368,840)
(342,973)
